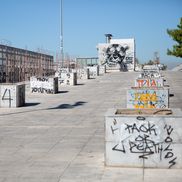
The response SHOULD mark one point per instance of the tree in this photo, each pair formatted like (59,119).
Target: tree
(176,35)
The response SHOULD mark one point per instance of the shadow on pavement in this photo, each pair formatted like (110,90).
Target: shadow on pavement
(79,84)
(62,92)
(31,104)
(69,106)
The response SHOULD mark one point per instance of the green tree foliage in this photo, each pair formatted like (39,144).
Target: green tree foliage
(176,35)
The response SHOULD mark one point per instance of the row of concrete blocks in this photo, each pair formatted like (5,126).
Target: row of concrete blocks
(69,77)
(146,136)
(13,95)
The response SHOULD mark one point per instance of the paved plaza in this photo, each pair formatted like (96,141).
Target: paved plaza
(60,137)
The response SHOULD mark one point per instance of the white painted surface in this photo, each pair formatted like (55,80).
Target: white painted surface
(12,95)
(102,69)
(143,141)
(44,85)
(83,73)
(93,71)
(68,79)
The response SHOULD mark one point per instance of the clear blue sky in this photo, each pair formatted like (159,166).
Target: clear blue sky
(36,24)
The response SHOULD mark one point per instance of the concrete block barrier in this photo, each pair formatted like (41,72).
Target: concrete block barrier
(144,98)
(149,138)
(44,85)
(12,95)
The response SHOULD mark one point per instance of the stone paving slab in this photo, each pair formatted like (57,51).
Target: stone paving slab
(60,138)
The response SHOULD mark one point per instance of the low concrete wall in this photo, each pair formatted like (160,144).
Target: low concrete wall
(150,140)
(153,82)
(68,79)
(93,71)
(12,95)
(83,73)
(144,98)
(44,85)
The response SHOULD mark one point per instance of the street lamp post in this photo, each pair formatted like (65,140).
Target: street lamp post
(61,32)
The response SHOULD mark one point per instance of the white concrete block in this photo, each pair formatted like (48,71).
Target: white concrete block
(102,69)
(68,79)
(83,73)
(93,71)
(44,85)
(149,139)
(12,95)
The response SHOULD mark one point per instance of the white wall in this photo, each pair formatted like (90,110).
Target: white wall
(118,54)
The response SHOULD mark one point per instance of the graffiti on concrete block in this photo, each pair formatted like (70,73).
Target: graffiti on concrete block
(149,82)
(66,79)
(144,140)
(102,69)
(93,71)
(7,96)
(150,74)
(83,73)
(42,90)
(144,98)
(12,95)
(43,85)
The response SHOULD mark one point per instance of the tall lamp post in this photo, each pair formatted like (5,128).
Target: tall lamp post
(61,33)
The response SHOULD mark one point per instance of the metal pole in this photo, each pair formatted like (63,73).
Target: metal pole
(61,33)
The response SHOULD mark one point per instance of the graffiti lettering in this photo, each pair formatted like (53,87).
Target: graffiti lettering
(150,129)
(42,79)
(168,140)
(144,146)
(155,82)
(83,73)
(42,90)
(7,97)
(67,79)
(141,138)
(119,149)
(112,128)
(44,85)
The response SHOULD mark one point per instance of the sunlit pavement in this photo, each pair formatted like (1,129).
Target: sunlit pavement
(60,138)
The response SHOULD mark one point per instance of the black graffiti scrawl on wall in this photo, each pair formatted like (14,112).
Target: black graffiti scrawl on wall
(141,138)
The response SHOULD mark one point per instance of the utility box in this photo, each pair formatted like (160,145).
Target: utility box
(147,138)
(12,95)
(147,98)
(44,85)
